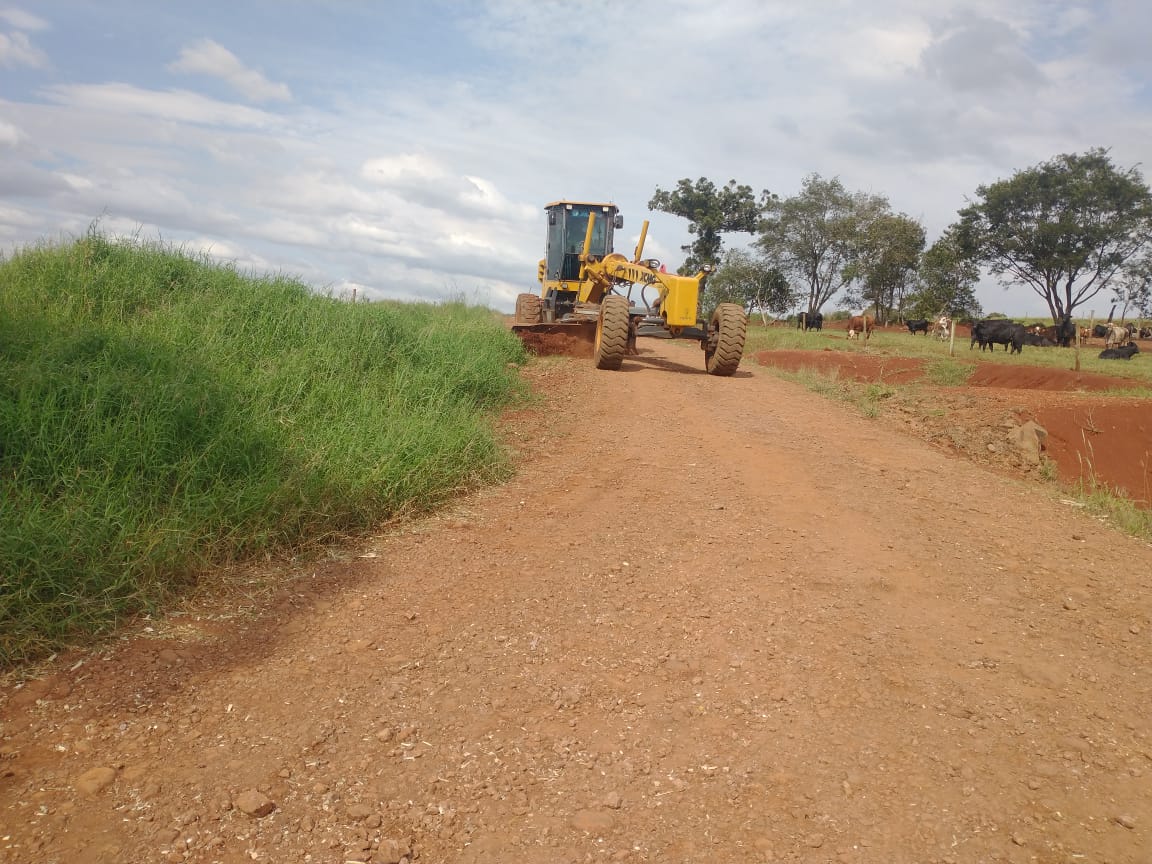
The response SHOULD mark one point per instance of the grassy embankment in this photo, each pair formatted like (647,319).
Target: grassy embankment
(160,415)
(942,370)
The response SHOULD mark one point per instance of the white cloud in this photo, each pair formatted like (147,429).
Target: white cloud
(18,19)
(10,135)
(429,180)
(16,49)
(176,105)
(207,57)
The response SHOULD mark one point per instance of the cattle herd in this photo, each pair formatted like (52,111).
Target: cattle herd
(1118,339)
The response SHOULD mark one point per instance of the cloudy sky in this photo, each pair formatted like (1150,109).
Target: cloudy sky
(407,147)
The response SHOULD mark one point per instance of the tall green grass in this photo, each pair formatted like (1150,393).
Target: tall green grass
(160,414)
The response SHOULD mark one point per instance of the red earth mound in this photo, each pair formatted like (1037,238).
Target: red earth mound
(1092,440)
(1101,442)
(1043,378)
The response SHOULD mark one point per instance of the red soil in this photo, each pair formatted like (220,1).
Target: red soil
(1091,439)
(1102,442)
(856,366)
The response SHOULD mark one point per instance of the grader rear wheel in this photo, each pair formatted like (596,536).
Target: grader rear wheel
(611,333)
(529,309)
(725,344)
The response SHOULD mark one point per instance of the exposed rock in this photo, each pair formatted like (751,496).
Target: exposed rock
(593,821)
(253,803)
(1029,440)
(95,780)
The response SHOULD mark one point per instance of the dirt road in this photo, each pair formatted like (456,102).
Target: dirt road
(712,620)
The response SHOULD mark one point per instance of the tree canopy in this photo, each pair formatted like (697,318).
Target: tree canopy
(887,254)
(752,282)
(1064,227)
(1134,289)
(814,236)
(710,211)
(945,282)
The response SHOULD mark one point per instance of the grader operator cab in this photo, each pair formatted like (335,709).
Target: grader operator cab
(587,288)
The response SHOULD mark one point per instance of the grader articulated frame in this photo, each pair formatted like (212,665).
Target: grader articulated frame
(586,289)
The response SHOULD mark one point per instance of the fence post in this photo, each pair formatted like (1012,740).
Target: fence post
(952,340)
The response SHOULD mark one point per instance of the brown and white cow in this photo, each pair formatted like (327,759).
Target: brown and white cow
(858,324)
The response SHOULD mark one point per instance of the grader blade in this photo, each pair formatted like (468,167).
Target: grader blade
(575,339)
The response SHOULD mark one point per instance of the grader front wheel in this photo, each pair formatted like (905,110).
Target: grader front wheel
(611,333)
(529,309)
(725,345)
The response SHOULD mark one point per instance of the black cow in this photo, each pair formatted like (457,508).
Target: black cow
(1123,353)
(810,321)
(1100,331)
(1145,332)
(995,331)
(920,324)
(1063,334)
(1038,340)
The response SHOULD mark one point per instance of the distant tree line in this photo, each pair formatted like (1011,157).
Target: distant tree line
(1066,229)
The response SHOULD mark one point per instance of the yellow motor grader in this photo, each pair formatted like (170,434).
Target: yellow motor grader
(587,288)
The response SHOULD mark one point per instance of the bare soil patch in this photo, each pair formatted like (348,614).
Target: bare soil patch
(852,366)
(1092,440)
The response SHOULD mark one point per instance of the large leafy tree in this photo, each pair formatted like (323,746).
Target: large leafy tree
(1064,227)
(945,282)
(710,211)
(887,256)
(749,280)
(814,236)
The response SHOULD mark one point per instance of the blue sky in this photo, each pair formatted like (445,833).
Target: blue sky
(406,149)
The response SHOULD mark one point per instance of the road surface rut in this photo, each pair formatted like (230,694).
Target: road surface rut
(712,619)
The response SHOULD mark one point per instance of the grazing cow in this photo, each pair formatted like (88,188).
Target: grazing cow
(810,321)
(1116,336)
(943,326)
(858,324)
(1125,352)
(920,324)
(995,331)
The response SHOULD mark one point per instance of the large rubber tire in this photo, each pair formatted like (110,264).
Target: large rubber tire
(529,309)
(726,336)
(611,333)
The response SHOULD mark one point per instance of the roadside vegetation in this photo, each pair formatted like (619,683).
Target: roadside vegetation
(161,414)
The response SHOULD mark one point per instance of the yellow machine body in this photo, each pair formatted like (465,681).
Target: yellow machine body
(588,288)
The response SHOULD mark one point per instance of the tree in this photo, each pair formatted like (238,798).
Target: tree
(1064,227)
(750,281)
(1135,287)
(945,282)
(887,255)
(710,212)
(814,236)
